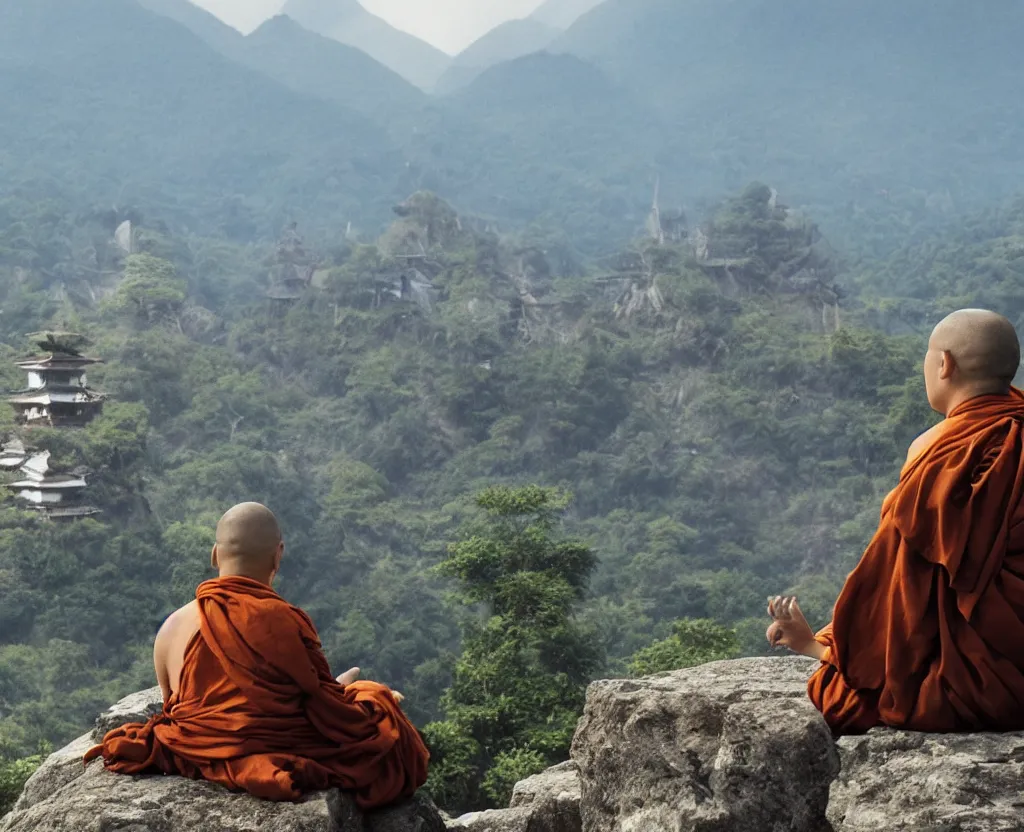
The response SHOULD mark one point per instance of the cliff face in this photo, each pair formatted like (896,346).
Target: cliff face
(726,747)
(737,747)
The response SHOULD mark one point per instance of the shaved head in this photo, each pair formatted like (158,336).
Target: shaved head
(248,542)
(971,352)
(984,345)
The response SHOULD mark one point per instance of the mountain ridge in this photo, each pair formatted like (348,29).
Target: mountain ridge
(506,42)
(150,103)
(348,22)
(561,14)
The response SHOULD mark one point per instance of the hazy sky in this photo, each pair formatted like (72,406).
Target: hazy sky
(450,25)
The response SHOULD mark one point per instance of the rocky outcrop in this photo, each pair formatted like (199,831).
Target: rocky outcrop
(66,796)
(731,745)
(737,747)
(547,802)
(725,747)
(891,780)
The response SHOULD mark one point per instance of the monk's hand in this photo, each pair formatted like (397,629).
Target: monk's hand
(349,676)
(790,629)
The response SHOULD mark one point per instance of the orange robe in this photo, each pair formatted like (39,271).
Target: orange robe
(928,632)
(257,710)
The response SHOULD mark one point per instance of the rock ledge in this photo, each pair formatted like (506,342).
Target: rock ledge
(66,796)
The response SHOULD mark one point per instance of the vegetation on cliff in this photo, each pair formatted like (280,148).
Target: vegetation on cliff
(727,403)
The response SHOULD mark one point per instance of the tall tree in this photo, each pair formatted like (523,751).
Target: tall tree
(519,684)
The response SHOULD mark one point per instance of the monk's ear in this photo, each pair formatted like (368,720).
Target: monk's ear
(213,557)
(278,554)
(947,364)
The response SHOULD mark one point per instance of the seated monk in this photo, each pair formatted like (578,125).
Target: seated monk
(928,631)
(249,700)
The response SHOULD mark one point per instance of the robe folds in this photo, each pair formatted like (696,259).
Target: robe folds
(257,710)
(928,632)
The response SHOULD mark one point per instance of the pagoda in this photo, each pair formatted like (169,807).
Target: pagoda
(291,268)
(51,491)
(57,394)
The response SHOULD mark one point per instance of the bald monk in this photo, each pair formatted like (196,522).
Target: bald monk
(928,631)
(249,700)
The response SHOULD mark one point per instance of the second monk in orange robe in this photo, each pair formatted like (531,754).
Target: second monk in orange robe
(249,700)
(928,631)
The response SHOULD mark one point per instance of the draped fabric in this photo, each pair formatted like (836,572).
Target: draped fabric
(258,710)
(928,632)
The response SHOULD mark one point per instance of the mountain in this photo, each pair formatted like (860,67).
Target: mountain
(831,102)
(302,60)
(553,130)
(319,66)
(506,42)
(348,22)
(209,27)
(561,14)
(117,103)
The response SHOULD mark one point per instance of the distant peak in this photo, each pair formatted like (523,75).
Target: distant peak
(317,13)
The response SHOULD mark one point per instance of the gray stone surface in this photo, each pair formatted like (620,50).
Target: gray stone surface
(891,780)
(725,746)
(546,802)
(560,784)
(495,820)
(66,796)
(136,707)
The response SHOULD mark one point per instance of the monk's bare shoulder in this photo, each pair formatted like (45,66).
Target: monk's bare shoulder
(184,618)
(171,642)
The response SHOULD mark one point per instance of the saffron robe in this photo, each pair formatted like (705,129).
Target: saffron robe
(928,632)
(258,710)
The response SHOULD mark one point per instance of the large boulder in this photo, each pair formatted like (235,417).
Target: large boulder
(546,802)
(64,795)
(736,747)
(728,745)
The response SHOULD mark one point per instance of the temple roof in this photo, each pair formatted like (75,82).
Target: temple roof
(51,482)
(56,395)
(56,361)
(42,465)
(68,343)
(65,511)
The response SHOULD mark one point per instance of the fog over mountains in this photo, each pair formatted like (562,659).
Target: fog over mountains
(330,114)
(348,22)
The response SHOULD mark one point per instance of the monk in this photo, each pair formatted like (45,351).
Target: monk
(249,700)
(928,631)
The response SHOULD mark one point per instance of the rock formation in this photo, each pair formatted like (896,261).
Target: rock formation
(737,747)
(725,747)
(546,802)
(66,796)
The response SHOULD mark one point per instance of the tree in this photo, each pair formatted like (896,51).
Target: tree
(150,288)
(519,684)
(694,642)
(13,776)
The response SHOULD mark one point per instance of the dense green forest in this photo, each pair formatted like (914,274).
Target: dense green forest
(726,417)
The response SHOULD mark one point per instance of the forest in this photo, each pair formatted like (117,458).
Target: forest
(677,431)
(553,365)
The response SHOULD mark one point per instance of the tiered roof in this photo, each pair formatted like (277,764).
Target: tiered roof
(56,377)
(56,394)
